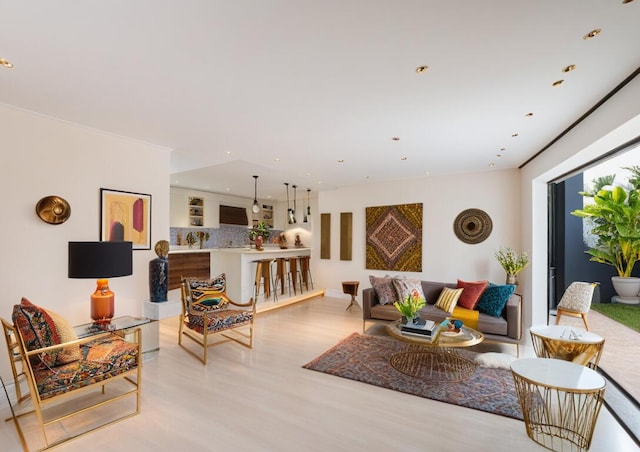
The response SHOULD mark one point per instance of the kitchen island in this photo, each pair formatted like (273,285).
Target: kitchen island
(239,266)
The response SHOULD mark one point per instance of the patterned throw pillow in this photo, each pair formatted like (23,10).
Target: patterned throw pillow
(405,287)
(207,294)
(494,299)
(39,329)
(384,289)
(448,299)
(471,293)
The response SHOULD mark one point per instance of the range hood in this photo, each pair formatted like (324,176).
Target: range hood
(233,215)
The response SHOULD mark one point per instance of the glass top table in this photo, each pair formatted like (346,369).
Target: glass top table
(116,324)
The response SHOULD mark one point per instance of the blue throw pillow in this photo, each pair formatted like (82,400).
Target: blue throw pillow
(494,299)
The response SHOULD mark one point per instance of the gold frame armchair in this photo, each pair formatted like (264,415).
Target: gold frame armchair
(61,373)
(210,318)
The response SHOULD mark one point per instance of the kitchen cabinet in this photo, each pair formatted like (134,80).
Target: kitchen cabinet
(192,208)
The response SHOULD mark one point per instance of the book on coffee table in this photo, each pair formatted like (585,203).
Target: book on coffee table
(423,328)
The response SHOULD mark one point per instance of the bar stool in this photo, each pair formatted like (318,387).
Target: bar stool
(351,288)
(305,271)
(280,276)
(263,278)
(294,274)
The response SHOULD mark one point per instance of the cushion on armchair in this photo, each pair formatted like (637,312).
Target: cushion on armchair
(41,328)
(203,290)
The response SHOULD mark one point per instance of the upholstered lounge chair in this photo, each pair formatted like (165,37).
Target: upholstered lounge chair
(210,318)
(576,301)
(61,371)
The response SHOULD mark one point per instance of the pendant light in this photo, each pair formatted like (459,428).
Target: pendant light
(294,204)
(289,211)
(308,211)
(256,207)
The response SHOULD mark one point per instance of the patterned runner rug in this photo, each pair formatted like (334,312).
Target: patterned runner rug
(365,358)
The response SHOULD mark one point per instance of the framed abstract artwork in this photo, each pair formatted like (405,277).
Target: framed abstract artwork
(125,216)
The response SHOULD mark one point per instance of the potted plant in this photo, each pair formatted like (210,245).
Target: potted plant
(512,263)
(410,306)
(615,219)
(259,233)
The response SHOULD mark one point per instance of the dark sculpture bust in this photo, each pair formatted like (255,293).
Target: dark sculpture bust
(159,273)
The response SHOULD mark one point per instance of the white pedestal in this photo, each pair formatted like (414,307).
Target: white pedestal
(162,310)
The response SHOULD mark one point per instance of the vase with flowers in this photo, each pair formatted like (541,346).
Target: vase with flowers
(410,306)
(512,263)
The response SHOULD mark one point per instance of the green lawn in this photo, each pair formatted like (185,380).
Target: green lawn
(626,314)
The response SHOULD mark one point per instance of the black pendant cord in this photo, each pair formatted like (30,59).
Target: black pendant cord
(294,204)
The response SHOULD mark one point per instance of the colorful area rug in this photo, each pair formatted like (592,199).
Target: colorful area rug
(366,359)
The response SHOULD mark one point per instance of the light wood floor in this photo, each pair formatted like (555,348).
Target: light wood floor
(263,400)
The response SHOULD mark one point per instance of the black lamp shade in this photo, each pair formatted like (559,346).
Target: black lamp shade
(100,259)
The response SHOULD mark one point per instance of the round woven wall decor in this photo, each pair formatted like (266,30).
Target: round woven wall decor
(473,226)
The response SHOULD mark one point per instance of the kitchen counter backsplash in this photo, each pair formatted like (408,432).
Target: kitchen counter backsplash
(226,236)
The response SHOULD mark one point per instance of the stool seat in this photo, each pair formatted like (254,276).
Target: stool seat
(351,288)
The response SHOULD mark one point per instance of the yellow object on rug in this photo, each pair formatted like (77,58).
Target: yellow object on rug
(468,316)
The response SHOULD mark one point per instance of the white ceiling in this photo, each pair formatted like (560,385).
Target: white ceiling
(285,89)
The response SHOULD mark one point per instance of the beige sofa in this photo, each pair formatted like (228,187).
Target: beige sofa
(507,329)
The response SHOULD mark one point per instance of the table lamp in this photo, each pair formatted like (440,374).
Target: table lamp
(101,260)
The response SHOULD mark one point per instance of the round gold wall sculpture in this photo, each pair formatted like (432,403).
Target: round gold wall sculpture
(473,226)
(53,210)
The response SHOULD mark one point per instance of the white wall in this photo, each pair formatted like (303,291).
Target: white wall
(42,156)
(613,124)
(444,256)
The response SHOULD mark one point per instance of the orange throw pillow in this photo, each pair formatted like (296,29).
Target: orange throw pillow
(471,293)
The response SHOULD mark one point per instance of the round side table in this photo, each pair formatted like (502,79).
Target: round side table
(570,344)
(560,401)
(351,288)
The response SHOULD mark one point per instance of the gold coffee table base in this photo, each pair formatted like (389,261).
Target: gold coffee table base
(438,364)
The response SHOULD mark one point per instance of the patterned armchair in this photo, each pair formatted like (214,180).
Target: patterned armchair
(210,318)
(57,365)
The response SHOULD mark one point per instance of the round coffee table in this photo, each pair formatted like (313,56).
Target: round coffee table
(435,359)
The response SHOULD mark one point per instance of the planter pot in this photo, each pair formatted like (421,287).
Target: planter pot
(627,289)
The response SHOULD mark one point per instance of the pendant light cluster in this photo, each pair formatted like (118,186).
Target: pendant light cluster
(291,213)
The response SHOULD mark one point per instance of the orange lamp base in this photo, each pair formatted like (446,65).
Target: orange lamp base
(102,302)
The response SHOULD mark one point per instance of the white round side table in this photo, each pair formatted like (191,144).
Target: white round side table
(560,401)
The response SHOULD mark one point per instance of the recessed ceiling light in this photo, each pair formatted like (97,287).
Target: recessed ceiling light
(6,63)
(276,159)
(396,138)
(428,173)
(403,158)
(503,149)
(228,152)
(421,69)
(498,155)
(569,68)
(557,83)
(227,189)
(624,2)
(492,164)
(528,115)
(341,161)
(513,135)
(592,34)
